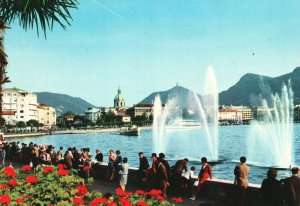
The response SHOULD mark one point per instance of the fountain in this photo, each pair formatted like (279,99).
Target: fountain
(207,115)
(271,134)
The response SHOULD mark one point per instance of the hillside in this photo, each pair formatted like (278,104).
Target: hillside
(63,103)
(248,89)
(181,94)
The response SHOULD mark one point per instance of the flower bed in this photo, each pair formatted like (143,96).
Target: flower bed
(57,186)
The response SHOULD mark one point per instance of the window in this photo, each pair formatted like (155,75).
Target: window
(21,111)
(8,94)
(21,117)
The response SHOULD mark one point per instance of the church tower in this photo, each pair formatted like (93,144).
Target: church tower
(119,100)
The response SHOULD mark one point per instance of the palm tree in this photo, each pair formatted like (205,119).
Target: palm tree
(30,14)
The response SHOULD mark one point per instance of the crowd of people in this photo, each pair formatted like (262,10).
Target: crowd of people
(159,174)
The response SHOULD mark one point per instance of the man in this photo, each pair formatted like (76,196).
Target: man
(241,172)
(59,155)
(44,157)
(291,188)
(204,174)
(99,156)
(143,167)
(180,166)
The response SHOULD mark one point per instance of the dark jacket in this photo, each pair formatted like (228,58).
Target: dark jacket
(271,192)
(291,191)
(180,165)
(144,164)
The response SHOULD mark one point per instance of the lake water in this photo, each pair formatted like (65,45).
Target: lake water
(233,143)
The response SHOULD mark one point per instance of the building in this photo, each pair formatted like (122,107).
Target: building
(140,109)
(93,114)
(119,100)
(19,105)
(246,111)
(230,115)
(46,115)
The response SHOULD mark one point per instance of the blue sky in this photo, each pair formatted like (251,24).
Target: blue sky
(145,46)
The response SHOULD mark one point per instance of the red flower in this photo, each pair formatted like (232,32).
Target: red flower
(177,199)
(26,168)
(5,199)
(112,204)
(61,166)
(20,200)
(98,201)
(31,179)
(82,190)
(50,204)
(48,169)
(122,193)
(160,198)
(87,168)
(124,202)
(13,182)
(140,192)
(78,201)
(4,186)
(155,192)
(63,172)
(142,203)
(9,171)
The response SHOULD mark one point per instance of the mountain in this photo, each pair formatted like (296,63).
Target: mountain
(181,94)
(252,87)
(63,103)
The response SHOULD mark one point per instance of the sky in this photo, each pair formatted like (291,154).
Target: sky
(144,46)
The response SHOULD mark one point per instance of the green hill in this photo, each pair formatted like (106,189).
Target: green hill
(63,103)
(252,86)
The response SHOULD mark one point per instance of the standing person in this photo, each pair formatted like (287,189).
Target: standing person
(99,157)
(271,189)
(2,153)
(161,158)
(111,163)
(291,188)
(68,159)
(44,157)
(204,174)
(123,173)
(59,155)
(117,162)
(241,172)
(143,167)
(160,175)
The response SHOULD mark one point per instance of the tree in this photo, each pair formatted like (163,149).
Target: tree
(21,124)
(32,123)
(39,14)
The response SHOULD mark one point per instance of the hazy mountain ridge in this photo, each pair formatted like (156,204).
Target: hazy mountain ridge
(253,85)
(63,102)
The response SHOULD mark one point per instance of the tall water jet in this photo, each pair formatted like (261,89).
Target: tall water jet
(208,111)
(271,134)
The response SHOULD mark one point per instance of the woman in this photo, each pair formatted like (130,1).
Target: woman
(123,173)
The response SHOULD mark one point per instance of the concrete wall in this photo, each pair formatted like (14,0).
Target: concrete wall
(215,190)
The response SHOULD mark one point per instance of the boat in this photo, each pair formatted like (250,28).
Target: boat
(183,124)
(132,130)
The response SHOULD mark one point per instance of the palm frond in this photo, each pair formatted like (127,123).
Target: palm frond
(41,14)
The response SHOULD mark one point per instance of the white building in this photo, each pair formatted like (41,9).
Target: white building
(230,115)
(93,114)
(46,115)
(20,105)
(247,113)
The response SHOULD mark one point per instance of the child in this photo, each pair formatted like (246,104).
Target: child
(187,177)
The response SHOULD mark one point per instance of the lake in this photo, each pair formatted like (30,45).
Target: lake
(192,144)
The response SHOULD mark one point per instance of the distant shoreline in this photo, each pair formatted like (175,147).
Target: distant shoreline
(88,131)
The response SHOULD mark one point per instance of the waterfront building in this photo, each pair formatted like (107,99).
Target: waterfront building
(19,105)
(93,114)
(46,115)
(230,115)
(246,111)
(140,109)
(119,100)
